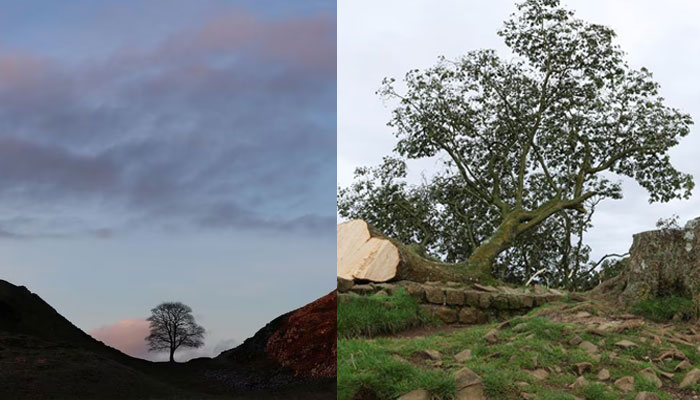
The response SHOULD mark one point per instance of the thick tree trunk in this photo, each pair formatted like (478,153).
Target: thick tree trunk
(172,353)
(365,254)
(482,257)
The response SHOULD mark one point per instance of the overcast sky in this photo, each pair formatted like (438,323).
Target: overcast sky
(168,150)
(388,38)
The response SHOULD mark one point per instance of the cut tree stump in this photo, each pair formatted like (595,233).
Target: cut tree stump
(364,254)
(662,262)
(361,256)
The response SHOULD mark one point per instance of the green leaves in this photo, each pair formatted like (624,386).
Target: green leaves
(532,135)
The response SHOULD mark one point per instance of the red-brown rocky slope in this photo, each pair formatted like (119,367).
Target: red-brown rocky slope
(306,339)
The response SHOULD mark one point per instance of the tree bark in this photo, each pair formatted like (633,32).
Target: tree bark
(662,263)
(172,353)
(482,257)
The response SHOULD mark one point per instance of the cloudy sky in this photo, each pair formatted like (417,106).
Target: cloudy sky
(397,36)
(168,150)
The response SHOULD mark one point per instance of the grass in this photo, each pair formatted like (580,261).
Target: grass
(663,309)
(597,391)
(370,366)
(369,316)
(389,367)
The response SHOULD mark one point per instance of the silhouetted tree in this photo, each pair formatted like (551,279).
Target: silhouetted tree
(172,327)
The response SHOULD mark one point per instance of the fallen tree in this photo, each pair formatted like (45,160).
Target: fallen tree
(524,139)
(365,254)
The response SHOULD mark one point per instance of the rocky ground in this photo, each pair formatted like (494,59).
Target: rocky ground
(577,348)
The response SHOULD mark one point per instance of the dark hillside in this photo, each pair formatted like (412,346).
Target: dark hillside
(43,355)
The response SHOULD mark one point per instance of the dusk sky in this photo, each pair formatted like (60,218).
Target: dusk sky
(168,150)
(397,36)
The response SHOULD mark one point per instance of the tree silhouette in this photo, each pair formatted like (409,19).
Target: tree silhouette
(172,327)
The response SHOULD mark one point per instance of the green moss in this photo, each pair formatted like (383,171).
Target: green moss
(373,315)
(661,309)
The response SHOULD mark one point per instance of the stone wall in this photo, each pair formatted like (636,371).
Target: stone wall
(457,303)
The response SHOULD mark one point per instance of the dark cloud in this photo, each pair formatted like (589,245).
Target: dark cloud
(229,125)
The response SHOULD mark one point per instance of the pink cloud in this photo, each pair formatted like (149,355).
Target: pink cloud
(308,41)
(127,336)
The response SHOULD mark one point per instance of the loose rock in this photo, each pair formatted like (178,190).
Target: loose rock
(650,375)
(466,377)
(539,374)
(626,383)
(647,396)
(464,355)
(685,364)
(418,394)
(603,374)
(625,344)
(575,340)
(492,336)
(583,367)
(579,383)
(588,347)
(691,378)
(432,354)
(469,386)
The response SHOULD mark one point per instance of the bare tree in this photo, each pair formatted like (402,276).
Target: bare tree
(172,327)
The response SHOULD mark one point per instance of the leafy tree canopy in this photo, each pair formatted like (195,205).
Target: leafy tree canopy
(521,139)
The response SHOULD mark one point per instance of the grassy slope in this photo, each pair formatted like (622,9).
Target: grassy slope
(385,368)
(369,316)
